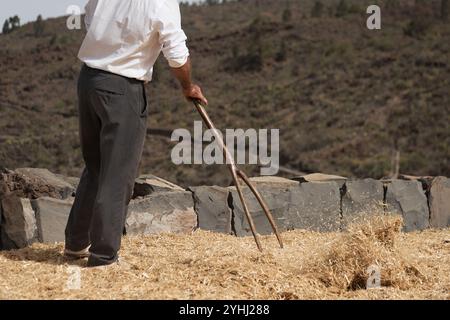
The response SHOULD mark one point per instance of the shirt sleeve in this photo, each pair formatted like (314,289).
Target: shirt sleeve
(171,36)
(89,10)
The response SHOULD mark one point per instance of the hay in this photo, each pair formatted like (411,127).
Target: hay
(366,246)
(206,265)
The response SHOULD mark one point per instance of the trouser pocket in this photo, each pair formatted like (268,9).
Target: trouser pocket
(137,100)
(144,111)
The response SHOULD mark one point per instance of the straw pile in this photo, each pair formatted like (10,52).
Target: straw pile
(370,245)
(205,265)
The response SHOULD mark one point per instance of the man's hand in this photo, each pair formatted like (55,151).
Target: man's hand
(195,92)
(191,91)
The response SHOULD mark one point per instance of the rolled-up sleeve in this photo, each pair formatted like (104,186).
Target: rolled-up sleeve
(171,35)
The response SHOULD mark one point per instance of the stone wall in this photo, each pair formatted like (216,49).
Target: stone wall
(35,204)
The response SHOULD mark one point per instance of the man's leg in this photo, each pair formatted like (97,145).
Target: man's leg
(123,112)
(77,229)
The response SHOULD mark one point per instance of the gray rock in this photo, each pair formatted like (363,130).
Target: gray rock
(423,179)
(272,180)
(148,184)
(36,183)
(161,213)
(314,206)
(276,192)
(51,216)
(4,189)
(73,181)
(440,203)
(362,198)
(408,199)
(277,198)
(211,206)
(320,177)
(18,227)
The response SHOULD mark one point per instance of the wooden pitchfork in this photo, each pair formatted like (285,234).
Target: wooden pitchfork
(235,173)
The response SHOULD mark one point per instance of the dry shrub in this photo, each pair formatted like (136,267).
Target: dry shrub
(346,262)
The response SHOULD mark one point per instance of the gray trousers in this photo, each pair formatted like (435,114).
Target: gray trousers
(113,118)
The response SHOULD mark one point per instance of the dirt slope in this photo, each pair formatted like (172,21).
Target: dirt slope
(343,96)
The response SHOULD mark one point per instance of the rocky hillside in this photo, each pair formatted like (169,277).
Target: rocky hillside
(345,98)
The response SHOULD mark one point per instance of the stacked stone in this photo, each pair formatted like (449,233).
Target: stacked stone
(35,205)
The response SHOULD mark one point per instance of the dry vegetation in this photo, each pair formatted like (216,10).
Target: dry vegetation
(214,266)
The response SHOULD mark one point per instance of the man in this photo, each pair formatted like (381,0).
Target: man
(124,38)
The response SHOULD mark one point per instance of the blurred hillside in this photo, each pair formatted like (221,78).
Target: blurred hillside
(345,97)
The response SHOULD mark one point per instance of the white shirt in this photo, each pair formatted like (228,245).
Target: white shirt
(125,37)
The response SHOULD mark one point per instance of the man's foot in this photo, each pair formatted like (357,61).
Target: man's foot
(119,263)
(77,254)
(94,262)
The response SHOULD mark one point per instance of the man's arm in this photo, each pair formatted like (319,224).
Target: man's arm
(173,42)
(190,90)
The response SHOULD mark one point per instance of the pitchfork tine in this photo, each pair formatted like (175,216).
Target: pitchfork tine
(245,207)
(235,173)
(263,204)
